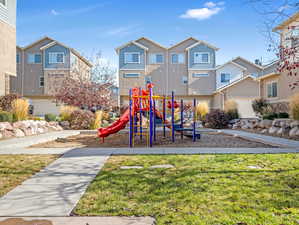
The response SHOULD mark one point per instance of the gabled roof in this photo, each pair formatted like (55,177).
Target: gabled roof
(187,39)
(247,61)
(131,43)
(287,22)
(36,42)
(231,62)
(155,43)
(203,43)
(271,64)
(71,49)
(268,75)
(234,83)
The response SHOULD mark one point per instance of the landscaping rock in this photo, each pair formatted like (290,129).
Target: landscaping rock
(265,123)
(264,131)
(283,131)
(273,130)
(293,132)
(65,124)
(7,133)
(1,136)
(295,123)
(5,126)
(19,133)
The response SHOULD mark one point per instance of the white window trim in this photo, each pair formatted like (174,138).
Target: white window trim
(155,63)
(180,63)
(5,5)
(209,58)
(125,75)
(271,82)
(34,58)
(40,82)
(50,53)
(139,58)
(201,75)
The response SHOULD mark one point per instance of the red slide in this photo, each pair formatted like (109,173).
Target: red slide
(116,126)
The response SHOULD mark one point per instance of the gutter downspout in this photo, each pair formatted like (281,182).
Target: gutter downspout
(167,71)
(23,72)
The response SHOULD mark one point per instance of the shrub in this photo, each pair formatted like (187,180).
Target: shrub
(270,116)
(98,120)
(231,109)
(81,120)
(50,117)
(259,106)
(294,106)
(216,119)
(35,118)
(20,109)
(66,112)
(202,109)
(6,117)
(6,101)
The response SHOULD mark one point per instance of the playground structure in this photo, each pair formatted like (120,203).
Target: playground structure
(143,117)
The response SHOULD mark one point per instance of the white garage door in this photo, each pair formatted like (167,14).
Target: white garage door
(245,107)
(44,106)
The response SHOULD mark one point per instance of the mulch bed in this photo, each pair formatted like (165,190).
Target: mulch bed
(121,140)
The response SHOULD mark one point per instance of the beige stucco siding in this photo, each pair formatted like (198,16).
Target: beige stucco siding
(125,84)
(7,55)
(201,85)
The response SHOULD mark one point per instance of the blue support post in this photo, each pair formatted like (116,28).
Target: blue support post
(140,112)
(164,116)
(182,118)
(194,121)
(151,117)
(131,120)
(172,117)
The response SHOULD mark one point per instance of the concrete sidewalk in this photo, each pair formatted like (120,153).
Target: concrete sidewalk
(277,141)
(55,190)
(24,142)
(116,220)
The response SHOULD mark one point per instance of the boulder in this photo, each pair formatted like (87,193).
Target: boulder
(40,130)
(65,124)
(1,136)
(273,130)
(19,125)
(293,132)
(283,131)
(295,123)
(264,131)
(18,133)
(265,123)
(5,126)
(7,134)
(28,131)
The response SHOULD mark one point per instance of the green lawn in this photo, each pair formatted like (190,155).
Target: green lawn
(204,189)
(14,169)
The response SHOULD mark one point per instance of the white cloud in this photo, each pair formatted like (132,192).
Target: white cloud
(54,12)
(210,4)
(210,9)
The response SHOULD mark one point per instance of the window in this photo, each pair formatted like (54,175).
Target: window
(3,3)
(34,58)
(184,79)
(225,77)
(18,58)
(56,57)
(200,75)
(156,59)
(272,90)
(201,57)
(131,75)
(148,79)
(177,59)
(41,81)
(132,57)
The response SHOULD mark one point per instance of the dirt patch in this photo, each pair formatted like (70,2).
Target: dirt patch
(121,140)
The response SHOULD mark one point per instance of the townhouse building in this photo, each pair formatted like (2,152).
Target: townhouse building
(7,44)
(41,68)
(188,68)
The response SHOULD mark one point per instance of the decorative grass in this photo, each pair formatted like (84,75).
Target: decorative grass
(200,190)
(14,169)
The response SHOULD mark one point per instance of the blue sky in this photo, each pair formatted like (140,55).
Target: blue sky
(93,25)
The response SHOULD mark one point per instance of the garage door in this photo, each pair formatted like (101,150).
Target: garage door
(44,106)
(245,107)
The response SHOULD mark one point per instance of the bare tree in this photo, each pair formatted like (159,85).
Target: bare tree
(103,72)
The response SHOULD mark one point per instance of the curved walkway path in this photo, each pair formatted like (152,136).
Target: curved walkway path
(55,190)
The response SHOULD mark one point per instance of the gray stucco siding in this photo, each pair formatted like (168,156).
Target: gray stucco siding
(201,49)
(129,66)
(8,13)
(57,48)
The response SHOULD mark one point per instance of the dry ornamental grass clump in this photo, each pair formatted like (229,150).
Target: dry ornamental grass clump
(20,109)
(294,106)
